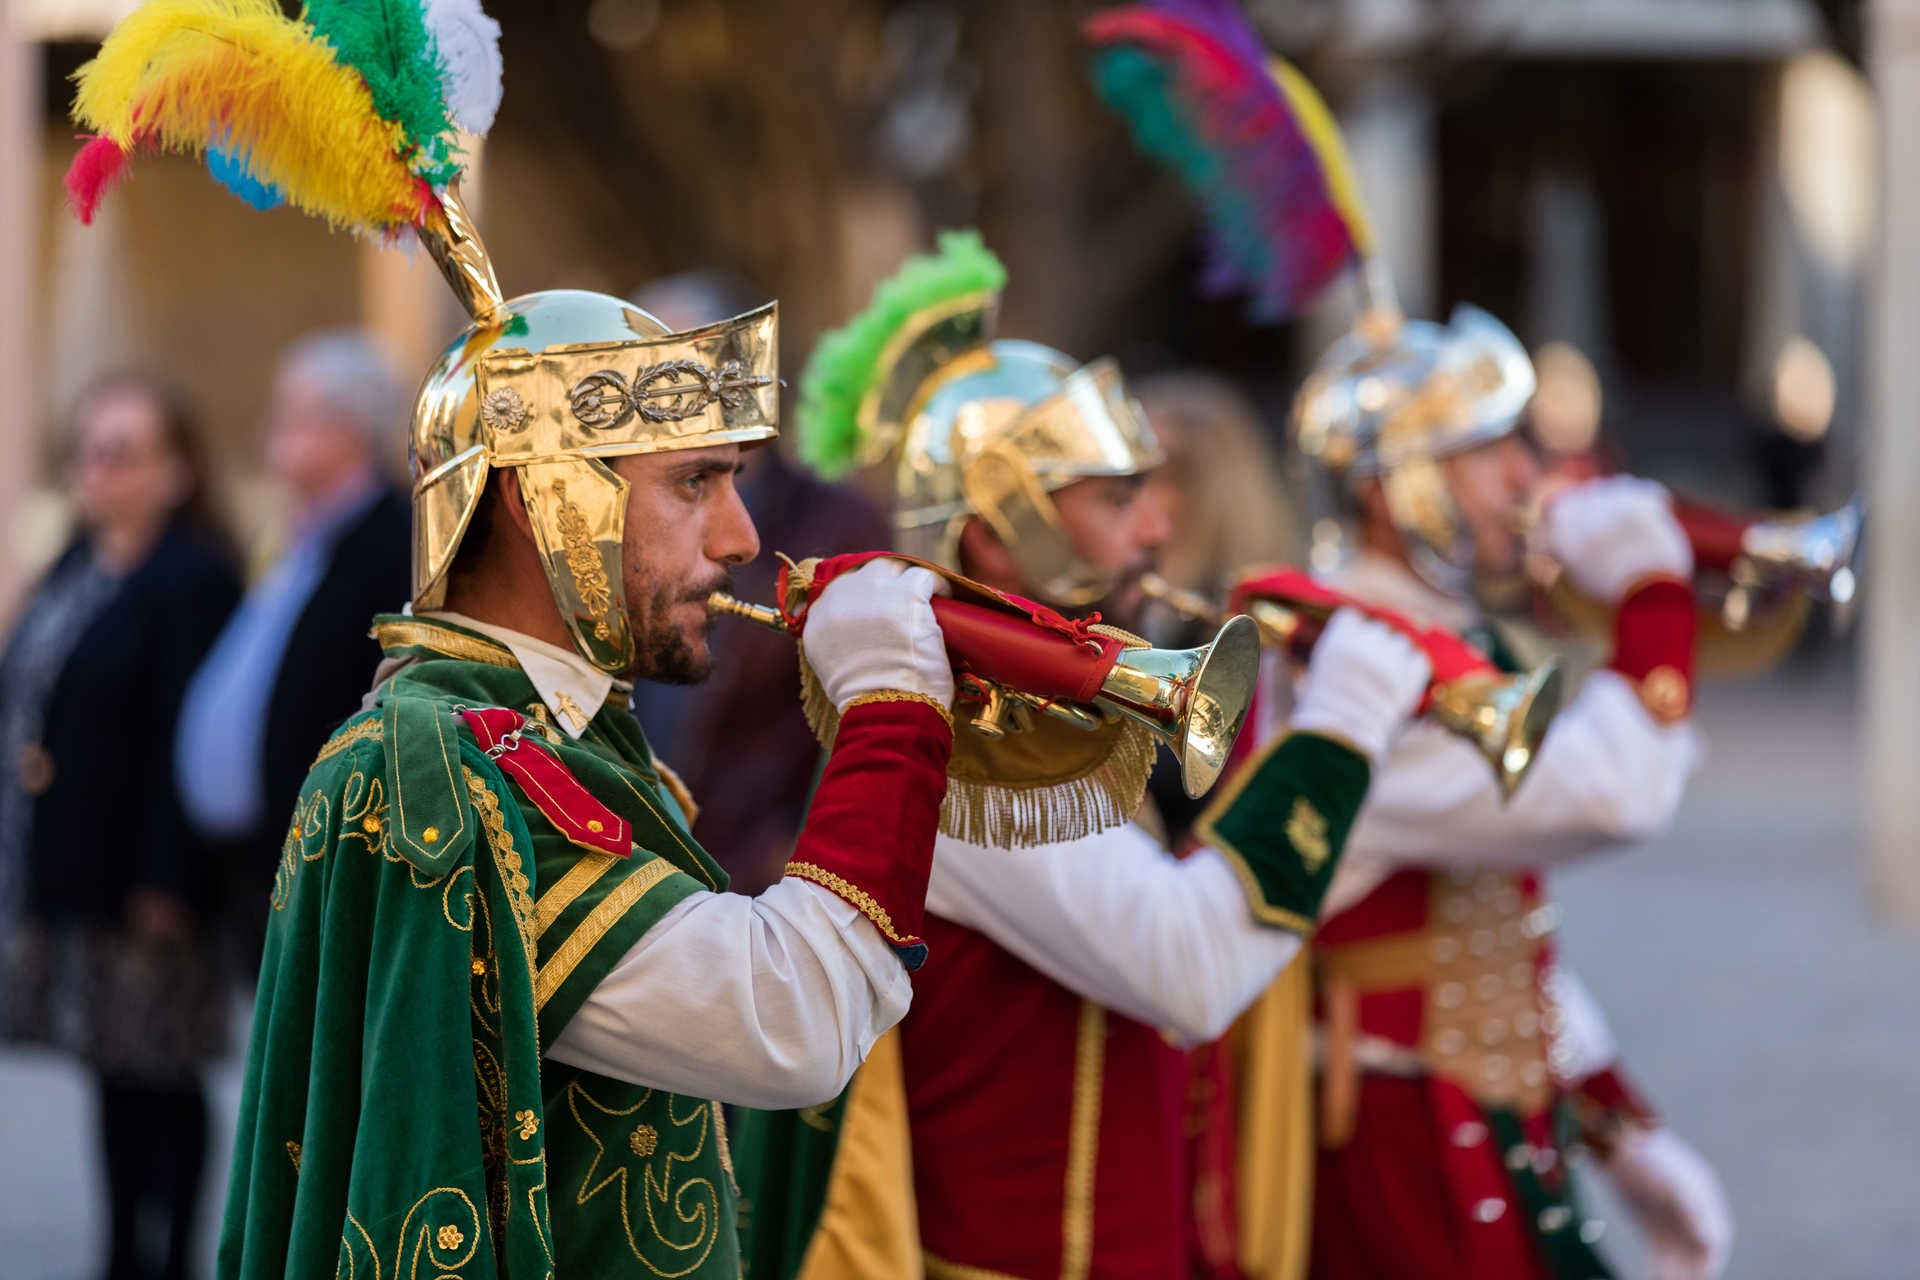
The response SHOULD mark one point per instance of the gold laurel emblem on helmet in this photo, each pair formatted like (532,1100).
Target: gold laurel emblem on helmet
(671,391)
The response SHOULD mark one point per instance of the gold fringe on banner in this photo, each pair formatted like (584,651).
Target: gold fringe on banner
(1053,783)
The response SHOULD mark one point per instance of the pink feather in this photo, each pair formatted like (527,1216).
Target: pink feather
(93,173)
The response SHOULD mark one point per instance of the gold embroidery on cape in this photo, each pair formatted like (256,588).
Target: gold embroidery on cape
(440,1232)
(1307,833)
(529,1124)
(346,1247)
(694,1202)
(506,858)
(608,912)
(367,730)
(580,877)
(1083,1142)
(863,901)
(419,633)
(293,1154)
(583,561)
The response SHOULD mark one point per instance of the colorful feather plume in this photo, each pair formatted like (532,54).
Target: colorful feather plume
(850,362)
(345,113)
(1247,134)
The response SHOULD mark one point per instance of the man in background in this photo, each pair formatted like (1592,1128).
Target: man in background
(766,774)
(295,658)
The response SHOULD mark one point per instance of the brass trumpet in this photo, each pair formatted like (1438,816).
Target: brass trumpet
(1504,717)
(1194,700)
(1764,559)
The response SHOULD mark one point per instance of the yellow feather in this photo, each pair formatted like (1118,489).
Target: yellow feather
(1323,134)
(187,74)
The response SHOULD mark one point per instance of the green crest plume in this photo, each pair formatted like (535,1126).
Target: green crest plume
(847,363)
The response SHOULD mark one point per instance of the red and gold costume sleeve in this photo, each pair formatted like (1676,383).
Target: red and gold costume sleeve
(869,835)
(1606,1106)
(1653,645)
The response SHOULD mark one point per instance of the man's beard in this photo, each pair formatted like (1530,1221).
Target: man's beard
(1123,605)
(661,651)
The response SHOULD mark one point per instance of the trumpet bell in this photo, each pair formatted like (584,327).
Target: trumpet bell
(1818,555)
(1195,700)
(1505,717)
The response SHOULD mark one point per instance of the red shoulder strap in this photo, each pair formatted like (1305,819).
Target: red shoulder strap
(552,788)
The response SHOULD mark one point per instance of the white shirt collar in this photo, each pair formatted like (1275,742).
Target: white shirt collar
(573,688)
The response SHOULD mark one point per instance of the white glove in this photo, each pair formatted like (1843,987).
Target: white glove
(1678,1202)
(1609,534)
(1364,680)
(874,629)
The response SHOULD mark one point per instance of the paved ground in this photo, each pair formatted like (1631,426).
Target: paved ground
(1755,994)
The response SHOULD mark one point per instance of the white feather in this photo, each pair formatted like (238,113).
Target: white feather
(468,42)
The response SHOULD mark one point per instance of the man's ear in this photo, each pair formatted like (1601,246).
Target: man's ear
(983,557)
(515,505)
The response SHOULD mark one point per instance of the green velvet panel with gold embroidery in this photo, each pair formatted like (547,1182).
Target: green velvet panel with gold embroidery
(1282,822)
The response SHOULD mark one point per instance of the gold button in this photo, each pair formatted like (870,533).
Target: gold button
(1665,694)
(370,825)
(1470,1133)
(596,826)
(430,835)
(479,968)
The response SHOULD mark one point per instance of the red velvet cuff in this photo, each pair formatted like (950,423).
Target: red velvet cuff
(869,835)
(1605,1106)
(1653,645)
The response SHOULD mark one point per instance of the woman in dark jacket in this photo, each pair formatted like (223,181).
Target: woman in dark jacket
(102,887)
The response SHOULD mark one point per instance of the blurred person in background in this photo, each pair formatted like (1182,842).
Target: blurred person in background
(752,786)
(1228,507)
(295,658)
(113,960)
(1220,487)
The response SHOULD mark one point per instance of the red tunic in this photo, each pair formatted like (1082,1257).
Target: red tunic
(1442,1161)
(1048,1133)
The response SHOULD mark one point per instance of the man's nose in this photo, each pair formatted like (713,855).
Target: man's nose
(1153,524)
(733,539)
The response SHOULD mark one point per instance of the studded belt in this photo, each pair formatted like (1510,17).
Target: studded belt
(1485,1022)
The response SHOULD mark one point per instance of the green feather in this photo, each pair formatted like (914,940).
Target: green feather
(388,43)
(845,366)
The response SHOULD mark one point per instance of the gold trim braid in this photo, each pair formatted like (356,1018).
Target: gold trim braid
(1083,1142)
(568,955)
(859,898)
(898,695)
(415,633)
(580,877)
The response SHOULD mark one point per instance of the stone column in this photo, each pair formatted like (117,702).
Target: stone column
(1891,693)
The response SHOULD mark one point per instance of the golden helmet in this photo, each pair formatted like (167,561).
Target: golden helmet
(1393,397)
(975,426)
(552,384)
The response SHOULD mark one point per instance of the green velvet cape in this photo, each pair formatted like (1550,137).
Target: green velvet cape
(431,933)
